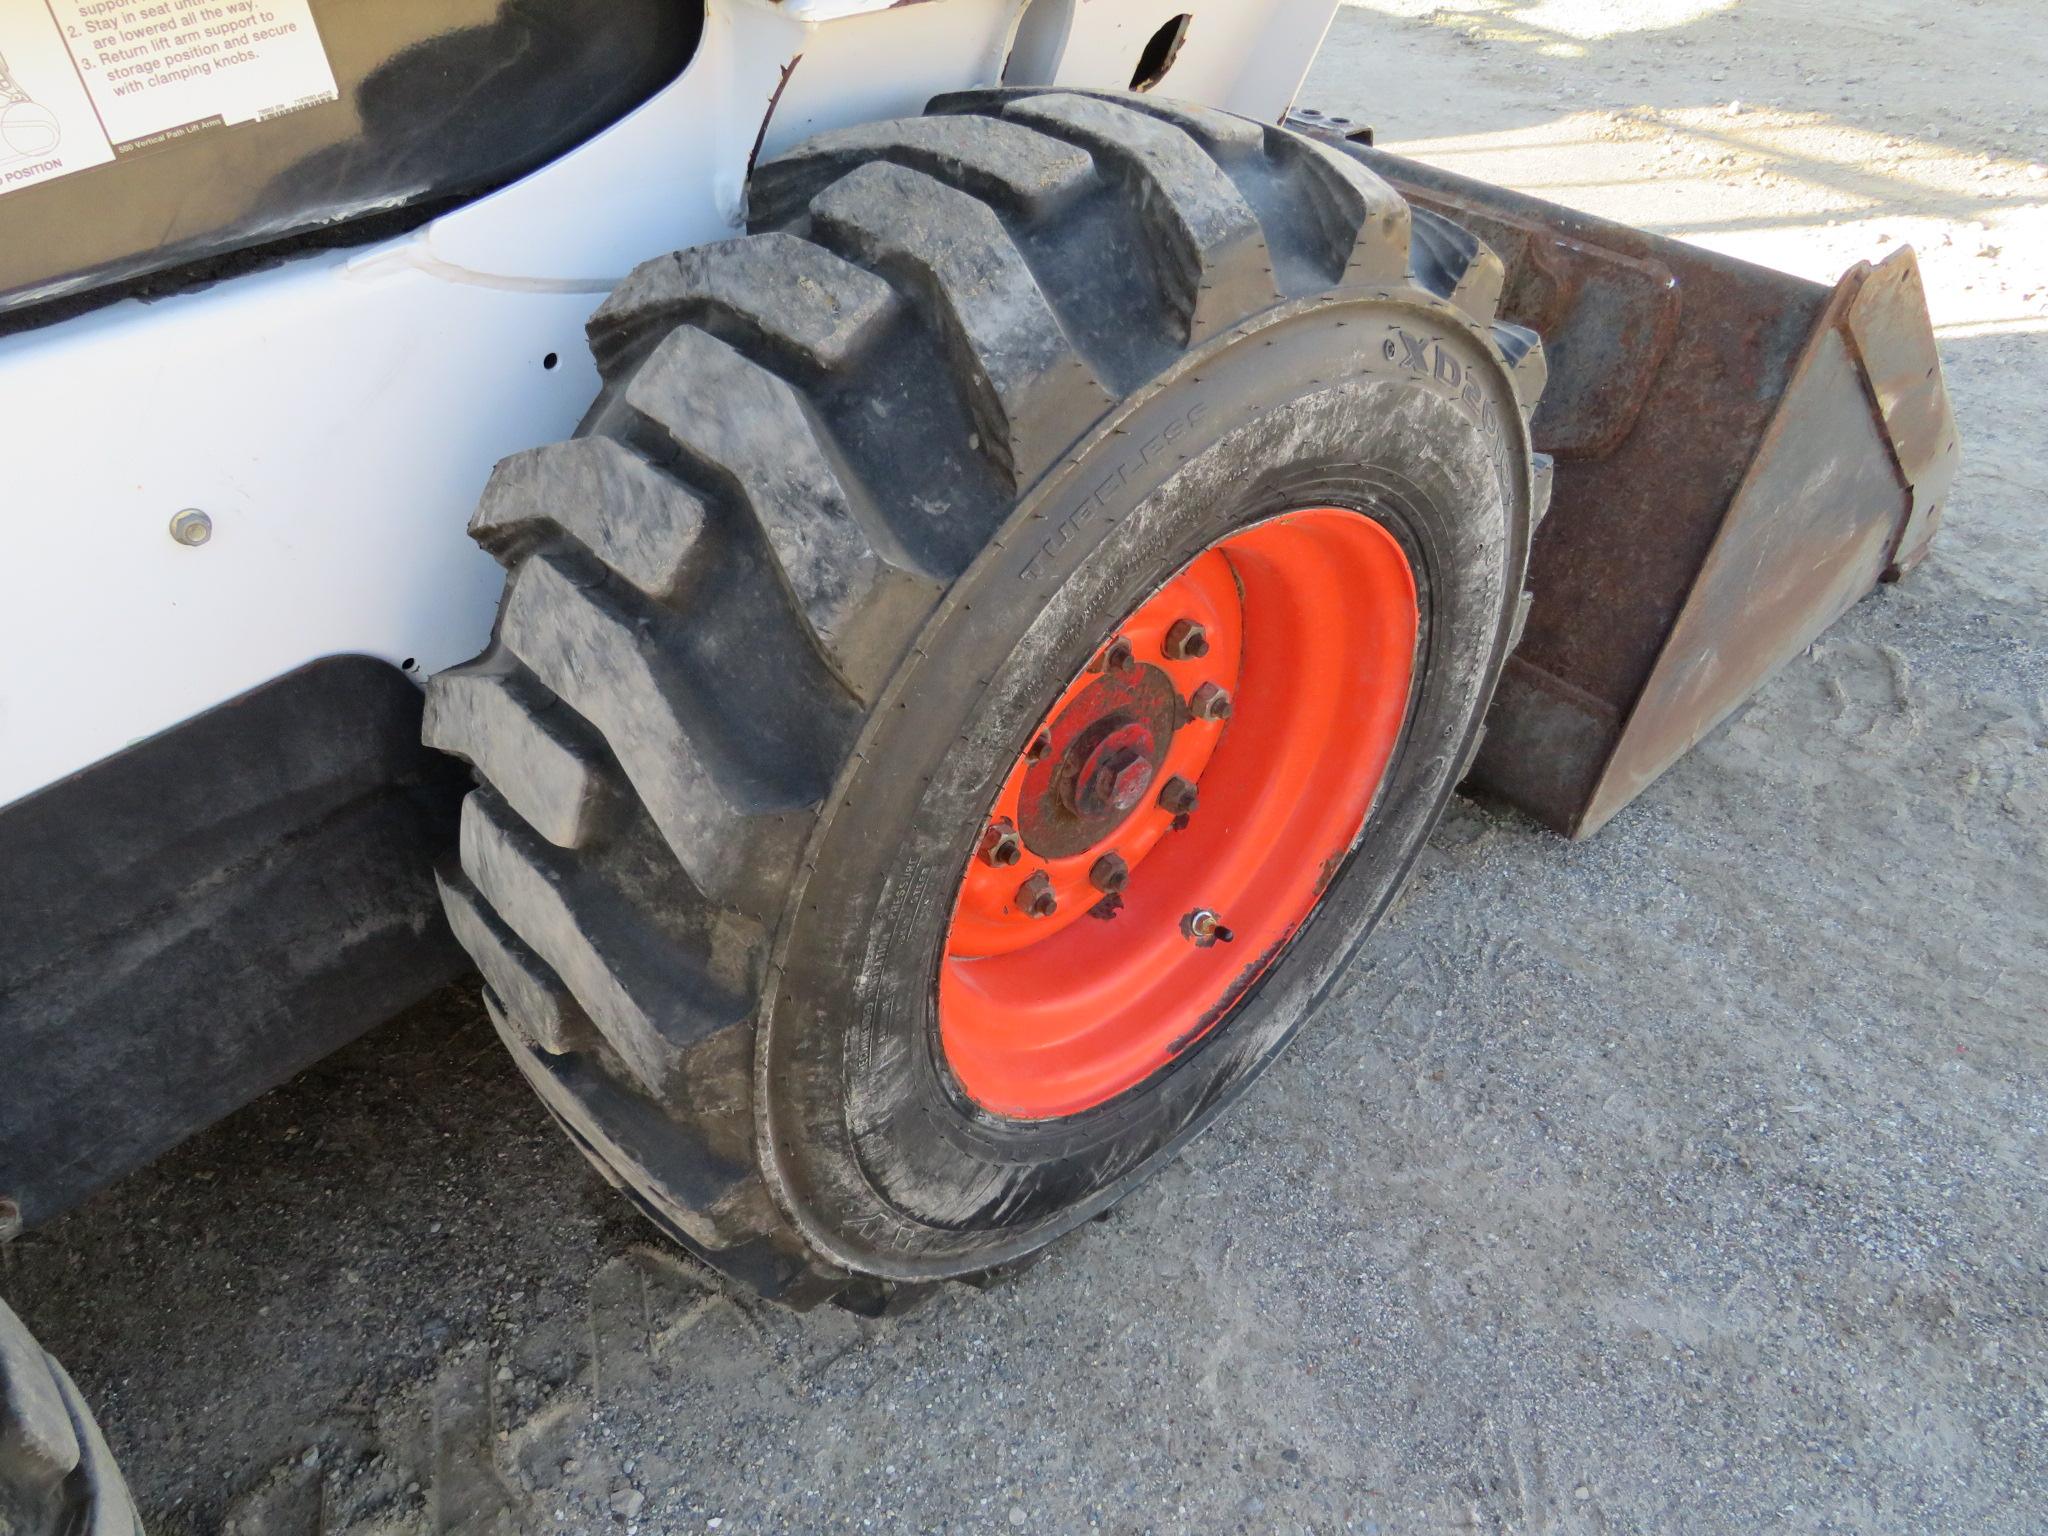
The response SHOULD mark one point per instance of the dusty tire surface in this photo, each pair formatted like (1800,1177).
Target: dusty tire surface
(57,1477)
(863,489)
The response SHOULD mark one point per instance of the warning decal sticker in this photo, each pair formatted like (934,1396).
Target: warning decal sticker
(83,82)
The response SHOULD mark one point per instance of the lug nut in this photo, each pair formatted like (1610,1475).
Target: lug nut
(1205,928)
(1117,656)
(1177,796)
(1209,702)
(1000,844)
(1040,745)
(1109,874)
(1035,896)
(1186,641)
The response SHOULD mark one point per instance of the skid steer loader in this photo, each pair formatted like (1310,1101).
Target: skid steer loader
(1002,542)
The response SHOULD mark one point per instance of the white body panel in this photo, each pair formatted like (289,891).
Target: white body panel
(336,417)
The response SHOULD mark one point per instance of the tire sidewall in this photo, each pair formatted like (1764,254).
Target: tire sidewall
(1395,409)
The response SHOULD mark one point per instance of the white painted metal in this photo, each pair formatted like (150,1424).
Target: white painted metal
(1248,57)
(336,417)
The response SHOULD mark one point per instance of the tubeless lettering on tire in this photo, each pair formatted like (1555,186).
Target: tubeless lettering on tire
(1099,499)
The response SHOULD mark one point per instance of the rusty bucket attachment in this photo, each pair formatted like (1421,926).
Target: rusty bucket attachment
(1741,455)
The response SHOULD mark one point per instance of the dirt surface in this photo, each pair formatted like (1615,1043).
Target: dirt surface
(1690,1179)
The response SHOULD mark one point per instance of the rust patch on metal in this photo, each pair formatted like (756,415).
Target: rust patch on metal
(1741,455)
(1234,993)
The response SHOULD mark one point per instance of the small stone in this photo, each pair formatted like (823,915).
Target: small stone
(571,1467)
(627,1502)
(1736,109)
(1582,1493)
(1017,1515)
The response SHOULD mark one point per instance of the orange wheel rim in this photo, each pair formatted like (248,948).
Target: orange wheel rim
(1179,811)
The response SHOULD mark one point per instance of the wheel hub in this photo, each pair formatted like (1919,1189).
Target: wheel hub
(1103,750)
(1177,813)
(1112,778)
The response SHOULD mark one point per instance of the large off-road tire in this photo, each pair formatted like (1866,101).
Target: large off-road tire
(57,1477)
(865,497)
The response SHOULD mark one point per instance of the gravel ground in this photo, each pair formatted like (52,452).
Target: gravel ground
(1689,1179)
